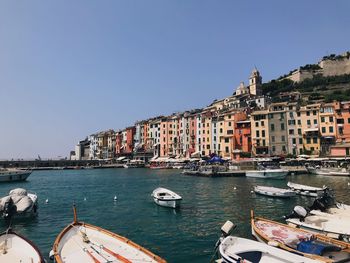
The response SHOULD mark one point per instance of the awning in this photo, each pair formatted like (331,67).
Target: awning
(311,130)
(196,155)
(121,158)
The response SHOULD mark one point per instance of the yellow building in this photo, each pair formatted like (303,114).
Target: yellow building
(328,129)
(260,132)
(309,116)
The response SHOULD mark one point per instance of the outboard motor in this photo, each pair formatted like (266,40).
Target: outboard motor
(226,230)
(298,212)
(325,201)
(9,210)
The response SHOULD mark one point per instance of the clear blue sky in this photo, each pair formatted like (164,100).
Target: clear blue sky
(71,68)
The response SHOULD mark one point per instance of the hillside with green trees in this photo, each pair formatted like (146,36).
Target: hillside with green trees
(318,88)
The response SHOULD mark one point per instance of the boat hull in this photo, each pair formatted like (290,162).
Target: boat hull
(168,203)
(267,174)
(280,193)
(14,176)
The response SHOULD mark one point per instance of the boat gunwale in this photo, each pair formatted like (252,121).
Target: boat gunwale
(105,231)
(345,246)
(31,243)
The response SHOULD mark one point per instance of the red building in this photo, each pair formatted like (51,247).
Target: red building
(129,140)
(342,115)
(242,142)
(119,143)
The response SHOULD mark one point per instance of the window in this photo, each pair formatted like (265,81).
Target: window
(294,141)
(299,131)
(308,140)
(273,138)
(323,129)
(307,113)
(282,126)
(220,130)
(262,123)
(298,113)
(314,139)
(322,119)
(281,116)
(262,133)
(348,120)
(283,138)
(226,149)
(331,129)
(257,134)
(314,113)
(330,119)
(229,124)
(227,140)
(300,141)
(272,127)
(273,148)
(291,132)
(256,124)
(229,132)
(284,148)
(264,142)
(208,147)
(308,122)
(291,114)
(312,149)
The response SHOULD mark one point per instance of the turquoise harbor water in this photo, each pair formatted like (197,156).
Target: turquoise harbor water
(185,235)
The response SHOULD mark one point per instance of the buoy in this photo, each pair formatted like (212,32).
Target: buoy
(115,198)
(47,201)
(251,191)
(234,188)
(84,198)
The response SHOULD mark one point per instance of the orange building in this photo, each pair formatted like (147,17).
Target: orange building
(129,145)
(243,143)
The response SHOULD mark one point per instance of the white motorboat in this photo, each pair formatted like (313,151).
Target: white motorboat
(328,171)
(13,175)
(300,241)
(306,190)
(274,191)
(16,248)
(330,225)
(267,172)
(165,197)
(234,249)
(82,242)
(19,203)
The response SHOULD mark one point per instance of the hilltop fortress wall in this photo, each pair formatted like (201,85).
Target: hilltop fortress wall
(328,67)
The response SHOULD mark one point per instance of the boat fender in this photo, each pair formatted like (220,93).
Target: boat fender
(273,243)
(227,228)
(52,255)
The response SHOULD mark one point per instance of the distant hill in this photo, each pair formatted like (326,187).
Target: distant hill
(326,81)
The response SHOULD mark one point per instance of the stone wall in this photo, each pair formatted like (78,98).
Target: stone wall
(335,67)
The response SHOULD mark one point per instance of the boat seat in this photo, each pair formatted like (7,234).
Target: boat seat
(316,247)
(252,256)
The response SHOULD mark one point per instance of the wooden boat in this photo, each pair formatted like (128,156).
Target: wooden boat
(274,191)
(165,197)
(82,242)
(16,248)
(14,175)
(232,249)
(306,189)
(298,241)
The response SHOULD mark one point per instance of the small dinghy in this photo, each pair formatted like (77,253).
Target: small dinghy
(16,248)
(306,190)
(231,249)
(165,197)
(298,241)
(82,242)
(274,191)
